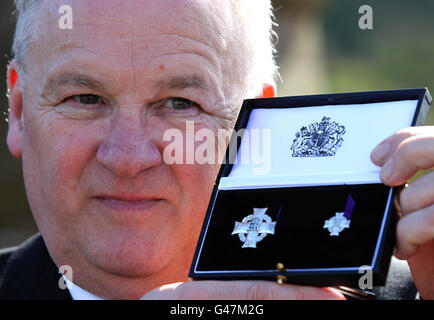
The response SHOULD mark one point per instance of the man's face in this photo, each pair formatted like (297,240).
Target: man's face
(97,101)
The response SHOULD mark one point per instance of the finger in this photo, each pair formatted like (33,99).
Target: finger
(385,149)
(242,290)
(411,155)
(268,290)
(418,195)
(413,230)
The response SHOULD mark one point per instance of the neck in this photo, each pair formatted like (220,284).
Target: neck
(109,285)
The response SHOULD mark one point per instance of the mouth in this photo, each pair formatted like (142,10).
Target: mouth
(132,204)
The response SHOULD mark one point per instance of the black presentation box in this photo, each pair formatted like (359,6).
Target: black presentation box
(294,168)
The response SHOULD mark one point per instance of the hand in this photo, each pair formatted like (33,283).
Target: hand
(240,290)
(401,156)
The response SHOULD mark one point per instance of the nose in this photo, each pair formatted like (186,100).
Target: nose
(129,148)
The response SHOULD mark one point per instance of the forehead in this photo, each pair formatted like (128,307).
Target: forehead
(127,28)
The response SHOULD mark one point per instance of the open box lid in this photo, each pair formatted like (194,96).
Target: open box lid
(316,140)
(300,201)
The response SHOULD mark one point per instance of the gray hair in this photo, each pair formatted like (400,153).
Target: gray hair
(24,10)
(256,18)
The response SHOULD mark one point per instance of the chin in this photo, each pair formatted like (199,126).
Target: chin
(130,256)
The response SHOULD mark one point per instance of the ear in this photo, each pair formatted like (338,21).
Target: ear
(15,131)
(268,91)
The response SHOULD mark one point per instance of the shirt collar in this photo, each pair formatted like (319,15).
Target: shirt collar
(78,293)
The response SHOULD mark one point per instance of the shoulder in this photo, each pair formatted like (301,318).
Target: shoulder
(4,256)
(28,272)
(14,262)
(27,249)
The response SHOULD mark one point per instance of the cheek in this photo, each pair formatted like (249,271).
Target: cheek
(71,153)
(55,158)
(197,167)
(196,182)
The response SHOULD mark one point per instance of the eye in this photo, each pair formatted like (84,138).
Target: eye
(179,103)
(87,99)
(83,106)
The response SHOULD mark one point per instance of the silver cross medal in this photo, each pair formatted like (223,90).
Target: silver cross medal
(337,224)
(254,227)
(342,219)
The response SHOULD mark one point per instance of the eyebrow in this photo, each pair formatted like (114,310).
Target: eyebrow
(183,82)
(72,79)
(77,79)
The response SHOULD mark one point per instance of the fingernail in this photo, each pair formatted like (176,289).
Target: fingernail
(387,170)
(381,151)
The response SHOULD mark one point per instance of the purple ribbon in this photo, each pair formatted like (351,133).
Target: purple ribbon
(349,207)
(278,213)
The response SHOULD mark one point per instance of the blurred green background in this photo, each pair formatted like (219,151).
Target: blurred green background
(321,49)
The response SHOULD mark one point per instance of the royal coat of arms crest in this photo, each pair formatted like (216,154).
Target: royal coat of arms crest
(319,139)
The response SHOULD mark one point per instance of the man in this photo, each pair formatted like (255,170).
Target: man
(88,110)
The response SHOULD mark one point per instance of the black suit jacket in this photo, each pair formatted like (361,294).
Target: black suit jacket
(27,272)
